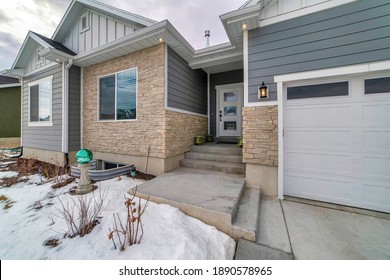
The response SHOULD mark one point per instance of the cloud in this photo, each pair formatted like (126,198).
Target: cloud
(191,19)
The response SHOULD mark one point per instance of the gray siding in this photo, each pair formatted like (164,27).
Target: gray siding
(74,108)
(44,137)
(218,79)
(350,34)
(187,88)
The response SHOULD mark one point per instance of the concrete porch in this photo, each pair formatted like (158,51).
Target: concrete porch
(210,186)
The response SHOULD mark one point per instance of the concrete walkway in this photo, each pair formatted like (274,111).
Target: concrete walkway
(304,231)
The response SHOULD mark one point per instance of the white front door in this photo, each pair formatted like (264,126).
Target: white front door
(229,110)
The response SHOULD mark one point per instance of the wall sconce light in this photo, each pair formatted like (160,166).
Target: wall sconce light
(263,91)
(244,26)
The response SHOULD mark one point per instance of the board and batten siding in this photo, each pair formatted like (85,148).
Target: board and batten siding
(187,88)
(44,137)
(102,30)
(34,63)
(74,108)
(350,34)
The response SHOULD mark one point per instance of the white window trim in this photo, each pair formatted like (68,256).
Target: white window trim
(37,82)
(136,97)
(374,69)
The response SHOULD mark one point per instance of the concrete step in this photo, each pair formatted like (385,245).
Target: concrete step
(226,149)
(246,222)
(227,167)
(214,157)
(209,196)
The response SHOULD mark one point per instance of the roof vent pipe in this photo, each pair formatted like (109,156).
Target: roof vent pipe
(207,35)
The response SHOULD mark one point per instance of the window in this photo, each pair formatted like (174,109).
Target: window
(118,96)
(40,97)
(380,85)
(320,90)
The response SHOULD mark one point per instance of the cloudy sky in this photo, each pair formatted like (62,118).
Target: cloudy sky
(190,17)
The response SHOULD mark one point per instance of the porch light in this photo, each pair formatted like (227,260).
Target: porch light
(263,91)
(160,40)
(244,26)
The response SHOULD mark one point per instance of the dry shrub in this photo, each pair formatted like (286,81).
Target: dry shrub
(132,231)
(8,202)
(82,213)
(10,181)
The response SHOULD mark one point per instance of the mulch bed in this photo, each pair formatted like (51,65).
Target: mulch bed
(142,176)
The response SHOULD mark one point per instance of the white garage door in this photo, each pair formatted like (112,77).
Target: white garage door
(337,142)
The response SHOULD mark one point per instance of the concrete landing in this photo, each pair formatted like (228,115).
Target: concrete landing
(247,250)
(209,196)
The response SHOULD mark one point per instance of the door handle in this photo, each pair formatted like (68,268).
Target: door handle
(220,116)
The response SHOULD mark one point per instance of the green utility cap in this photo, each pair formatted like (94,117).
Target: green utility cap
(84,156)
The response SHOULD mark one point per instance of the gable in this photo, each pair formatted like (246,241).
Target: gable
(100,29)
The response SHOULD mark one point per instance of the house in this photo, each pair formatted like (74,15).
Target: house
(9,112)
(133,90)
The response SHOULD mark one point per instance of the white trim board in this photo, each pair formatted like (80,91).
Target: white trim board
(336,71)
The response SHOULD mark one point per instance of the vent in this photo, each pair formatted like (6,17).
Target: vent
(84,22)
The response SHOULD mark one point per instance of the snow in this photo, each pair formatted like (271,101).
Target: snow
(169,234)
(7,174)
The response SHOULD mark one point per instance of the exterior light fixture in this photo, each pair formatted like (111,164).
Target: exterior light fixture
(244,26)
(263,91)
(160,40)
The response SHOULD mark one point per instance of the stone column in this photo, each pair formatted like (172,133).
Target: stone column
(84,185)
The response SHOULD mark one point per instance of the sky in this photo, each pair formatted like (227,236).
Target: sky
(190,17)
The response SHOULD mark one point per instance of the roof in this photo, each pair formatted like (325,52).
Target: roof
(8,80)
(54,44)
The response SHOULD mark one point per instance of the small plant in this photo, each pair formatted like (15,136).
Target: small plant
(83,213)
(132,231)
(209,138)
(198,140)
(239,141)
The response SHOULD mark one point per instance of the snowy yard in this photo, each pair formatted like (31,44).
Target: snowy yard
(29,218)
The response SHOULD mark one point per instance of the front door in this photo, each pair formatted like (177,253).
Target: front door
(229,107)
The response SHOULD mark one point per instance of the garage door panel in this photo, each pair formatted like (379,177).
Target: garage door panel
(376,167)
(376,141)
(318,139)
(376,115)
(376,196)
(321,117)
(314,162)
(319,188)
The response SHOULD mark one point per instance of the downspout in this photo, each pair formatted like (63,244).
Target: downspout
(21,114)
(65,109)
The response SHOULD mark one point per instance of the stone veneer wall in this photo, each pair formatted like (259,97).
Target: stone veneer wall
(260,135)
(180,131)
(128,137)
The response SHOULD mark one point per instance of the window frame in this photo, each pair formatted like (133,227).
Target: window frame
(34,83)
(136,96)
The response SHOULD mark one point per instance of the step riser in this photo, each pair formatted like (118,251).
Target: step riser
(214,157)
(216,150)
(213,166)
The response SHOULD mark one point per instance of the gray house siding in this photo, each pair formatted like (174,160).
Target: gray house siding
(187,88)
(74,108)
(218,79)
(44,137)
(350,34)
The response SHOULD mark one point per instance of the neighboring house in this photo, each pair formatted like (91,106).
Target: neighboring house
(9,112)
(133,90)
